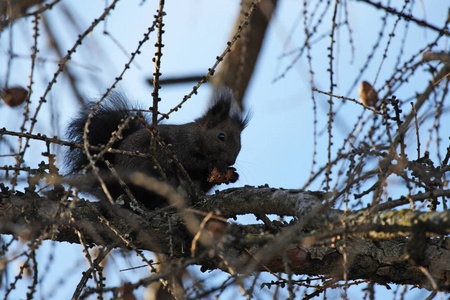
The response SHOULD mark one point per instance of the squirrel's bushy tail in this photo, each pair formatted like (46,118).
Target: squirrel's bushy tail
(109,115)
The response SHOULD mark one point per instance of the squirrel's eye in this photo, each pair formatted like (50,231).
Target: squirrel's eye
(221,136)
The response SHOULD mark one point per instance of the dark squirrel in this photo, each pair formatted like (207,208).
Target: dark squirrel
(206,148)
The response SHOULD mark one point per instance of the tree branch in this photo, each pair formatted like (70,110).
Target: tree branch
(313,249)
(408,17)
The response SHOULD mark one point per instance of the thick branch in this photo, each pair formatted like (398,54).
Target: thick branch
(309,250)
(441,56)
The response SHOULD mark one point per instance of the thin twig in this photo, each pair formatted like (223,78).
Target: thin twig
(157,59)
(350,99)
(417,129)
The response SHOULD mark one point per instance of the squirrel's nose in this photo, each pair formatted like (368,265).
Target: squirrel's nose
(231,162)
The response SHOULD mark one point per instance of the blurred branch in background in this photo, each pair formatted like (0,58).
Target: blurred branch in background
(237,69)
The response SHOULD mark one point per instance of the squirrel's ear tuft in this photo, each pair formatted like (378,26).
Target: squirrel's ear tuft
(226,95)
(224,107)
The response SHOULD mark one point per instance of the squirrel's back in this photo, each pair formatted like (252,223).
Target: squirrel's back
(106,119)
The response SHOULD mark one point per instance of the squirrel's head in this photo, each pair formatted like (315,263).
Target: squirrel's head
(221,128)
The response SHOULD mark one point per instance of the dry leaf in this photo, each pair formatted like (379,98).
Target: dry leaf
(368,95)
(14,96)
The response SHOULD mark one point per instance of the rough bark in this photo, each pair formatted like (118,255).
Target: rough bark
(314,243)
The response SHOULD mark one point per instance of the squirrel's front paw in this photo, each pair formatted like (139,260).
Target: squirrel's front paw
(217,177)
(234,176)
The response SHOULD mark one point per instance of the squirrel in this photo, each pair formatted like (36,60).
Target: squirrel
(206,148)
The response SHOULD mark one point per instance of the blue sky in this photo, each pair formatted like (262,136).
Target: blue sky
(278,143)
